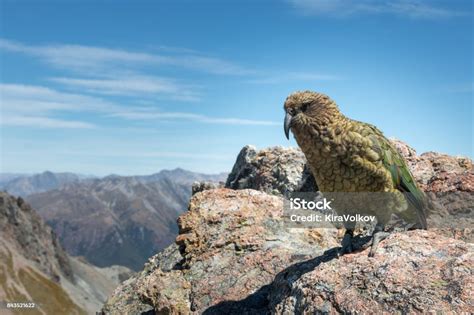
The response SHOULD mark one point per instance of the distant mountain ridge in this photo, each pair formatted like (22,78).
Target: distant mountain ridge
(182,176)
(23,185)
(26,184)
(6,177)
(118,220)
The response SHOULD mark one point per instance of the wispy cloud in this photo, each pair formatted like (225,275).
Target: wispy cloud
(44,122)
(37,106)
(135,85)
(154,115)
(92,59)
(106,71)
(30,99)
(408,8)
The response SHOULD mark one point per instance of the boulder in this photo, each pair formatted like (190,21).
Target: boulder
(275,170)
(231,245)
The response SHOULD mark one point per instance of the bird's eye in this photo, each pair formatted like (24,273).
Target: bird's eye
(305,106)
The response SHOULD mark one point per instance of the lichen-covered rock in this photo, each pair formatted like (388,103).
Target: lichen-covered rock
(232,244)
(128,297)
(275,170)
(413,272)
(201,186)
(449,182)
(235,255)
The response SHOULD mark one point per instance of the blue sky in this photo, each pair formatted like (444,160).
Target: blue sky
(136,87)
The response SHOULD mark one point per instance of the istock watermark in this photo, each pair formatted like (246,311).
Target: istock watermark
(300,203)
(332,218)
(336,209)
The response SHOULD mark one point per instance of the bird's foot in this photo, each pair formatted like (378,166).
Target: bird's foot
(377,237)
(346,244)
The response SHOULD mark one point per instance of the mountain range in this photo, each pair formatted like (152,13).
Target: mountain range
(114,220)
(26,184)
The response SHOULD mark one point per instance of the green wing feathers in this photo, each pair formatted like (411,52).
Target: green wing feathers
(404,181)
(402,178)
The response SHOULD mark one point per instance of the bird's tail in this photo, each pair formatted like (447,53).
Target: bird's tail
(419,203)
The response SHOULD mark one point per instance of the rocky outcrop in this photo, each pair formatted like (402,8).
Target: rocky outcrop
(21,227)
(32,263)
(276,170)
(128,298)
(231,244)
(235,253)
(201,186)
(35,268)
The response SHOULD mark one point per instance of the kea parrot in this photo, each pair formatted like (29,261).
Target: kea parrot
(349,156)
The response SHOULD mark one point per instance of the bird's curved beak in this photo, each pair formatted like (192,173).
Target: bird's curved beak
(287,125)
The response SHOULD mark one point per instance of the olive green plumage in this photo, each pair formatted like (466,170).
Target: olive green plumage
(346,155)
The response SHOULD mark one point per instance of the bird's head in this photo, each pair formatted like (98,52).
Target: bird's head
(303,108)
